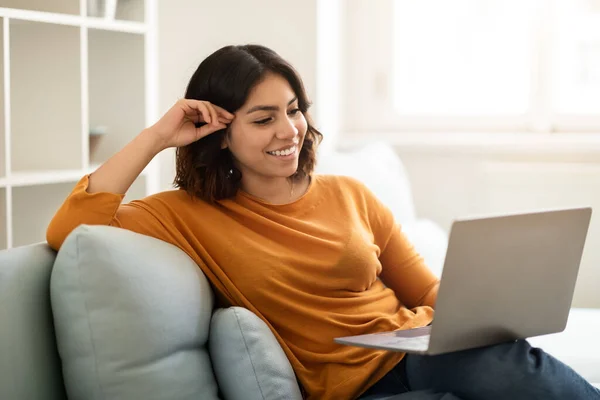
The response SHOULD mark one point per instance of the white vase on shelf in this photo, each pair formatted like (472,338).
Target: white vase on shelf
(102,9)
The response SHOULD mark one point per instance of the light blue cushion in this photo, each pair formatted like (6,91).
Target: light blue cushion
(132,316)
(249,362)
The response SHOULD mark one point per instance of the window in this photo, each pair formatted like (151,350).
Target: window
(576,75)
(494,65)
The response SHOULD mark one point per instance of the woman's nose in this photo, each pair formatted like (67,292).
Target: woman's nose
(287,129)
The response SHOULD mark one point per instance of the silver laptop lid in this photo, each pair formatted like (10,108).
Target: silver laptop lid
(508,277)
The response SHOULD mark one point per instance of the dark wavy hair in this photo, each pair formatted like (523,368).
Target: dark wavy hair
(225,78)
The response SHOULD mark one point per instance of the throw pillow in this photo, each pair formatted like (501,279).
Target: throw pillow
(249,363)
(132,317)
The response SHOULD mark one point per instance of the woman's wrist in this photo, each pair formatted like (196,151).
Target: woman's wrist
(151,140)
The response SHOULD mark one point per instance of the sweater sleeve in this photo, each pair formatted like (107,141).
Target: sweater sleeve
(404,271)
(102,208)
(402,268)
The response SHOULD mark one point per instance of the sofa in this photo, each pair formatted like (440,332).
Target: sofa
(118,315)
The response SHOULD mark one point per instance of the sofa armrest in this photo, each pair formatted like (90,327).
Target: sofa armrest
(30,367)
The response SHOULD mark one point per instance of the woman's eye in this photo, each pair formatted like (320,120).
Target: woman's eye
(263,121)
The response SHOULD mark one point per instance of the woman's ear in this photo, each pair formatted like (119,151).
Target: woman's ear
(225,141)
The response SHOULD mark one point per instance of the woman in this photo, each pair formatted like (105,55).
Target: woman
(298,250)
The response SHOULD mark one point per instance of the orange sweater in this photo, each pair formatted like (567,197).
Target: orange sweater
(309,269)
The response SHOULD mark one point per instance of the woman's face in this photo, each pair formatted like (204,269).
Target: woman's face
(268,131)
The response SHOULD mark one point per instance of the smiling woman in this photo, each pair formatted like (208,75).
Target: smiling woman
(316,257)
(270,145)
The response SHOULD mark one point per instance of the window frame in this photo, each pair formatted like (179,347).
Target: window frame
(367,101)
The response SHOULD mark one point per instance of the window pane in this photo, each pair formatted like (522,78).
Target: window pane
(576,57)
(462,57)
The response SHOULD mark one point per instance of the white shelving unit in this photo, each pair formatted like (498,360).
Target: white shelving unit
(76,88)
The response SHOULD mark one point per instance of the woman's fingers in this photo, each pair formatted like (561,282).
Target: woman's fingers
(224,113)
(213,113)
(204,111)
(196,110)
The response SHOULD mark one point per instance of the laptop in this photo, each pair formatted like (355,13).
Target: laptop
(505,278)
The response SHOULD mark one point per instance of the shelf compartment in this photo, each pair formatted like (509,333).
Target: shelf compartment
(125,10)
(116,91)
(55,6)
(130,10)
(45,96)
(3,227)
(30,220)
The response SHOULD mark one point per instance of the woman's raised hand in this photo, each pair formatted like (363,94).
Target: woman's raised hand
(189,120)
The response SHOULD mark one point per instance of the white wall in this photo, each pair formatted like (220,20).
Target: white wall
(190,30)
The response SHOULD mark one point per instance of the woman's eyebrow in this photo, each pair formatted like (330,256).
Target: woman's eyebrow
(268,108)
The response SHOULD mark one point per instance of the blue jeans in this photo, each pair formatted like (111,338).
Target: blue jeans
(512,371)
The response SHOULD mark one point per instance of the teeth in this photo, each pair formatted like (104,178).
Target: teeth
(285,152)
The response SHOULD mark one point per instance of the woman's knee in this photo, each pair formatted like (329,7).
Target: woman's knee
(491,366)
(514,370)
